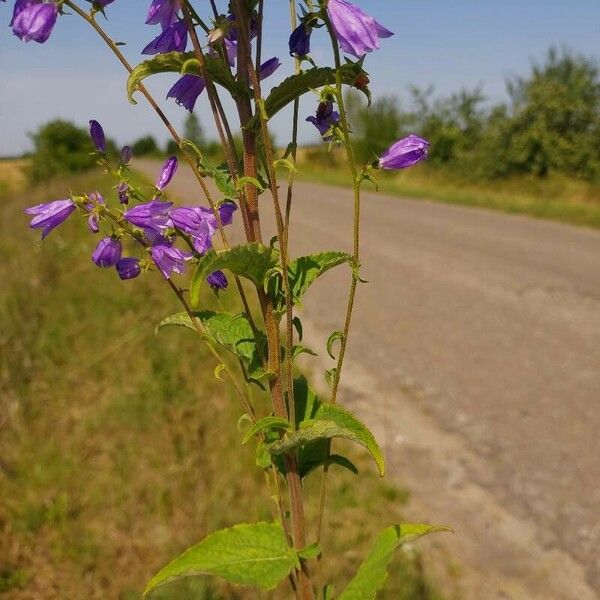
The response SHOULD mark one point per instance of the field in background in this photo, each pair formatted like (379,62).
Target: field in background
(119,448)
(12,175)
(558,198)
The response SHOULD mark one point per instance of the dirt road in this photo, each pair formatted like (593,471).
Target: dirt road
(476,350)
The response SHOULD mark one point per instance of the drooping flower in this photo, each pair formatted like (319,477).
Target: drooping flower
(97,135)
(163,12)
(173,38)
(299,42)
(128,268)
(169,259)
(151,216)
(96,198)
(405,153)
(357,32)
(186,91)
(269,67)
(217,280)
(166,173)
(33,20)
(126,154)
(123,191)
(324,119)
(193,221)
(49,215)
(107,252)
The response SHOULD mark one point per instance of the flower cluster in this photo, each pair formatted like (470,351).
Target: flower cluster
(154,226)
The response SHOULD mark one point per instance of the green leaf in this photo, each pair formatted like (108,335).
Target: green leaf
(184,63)
(311,551)
(234,333)
(221,176)
(301,349)
(297,85)
(374,570)
(330,421)
(304,270)
(256,555)
(266,423)
(252,261)
(178,320)
(335,336)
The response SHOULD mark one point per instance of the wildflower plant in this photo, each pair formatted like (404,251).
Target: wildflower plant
(216,50)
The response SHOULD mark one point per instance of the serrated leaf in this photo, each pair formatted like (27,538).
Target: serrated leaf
(330,421)
(297,85)
(330,376)
(252,261)
(374,570)
(311,551)
(178,320)
(234,333)
(256,555)
(173,62)
(266,424)
(221,176)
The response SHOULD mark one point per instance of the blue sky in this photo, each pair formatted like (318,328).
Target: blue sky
(447,44)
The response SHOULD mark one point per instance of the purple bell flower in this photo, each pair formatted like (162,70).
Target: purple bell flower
(186,91)
(357,32)
(107,252)
(33,20)
(169,259)
(49,215)
(97,135)
(152,215)
(126,154)
(217,280)
(193,221)
(166,173)
(173,38)
(405,153)
(269,67)
(163,12)
(123,191)
(324,119)
(300,40)
(128,268)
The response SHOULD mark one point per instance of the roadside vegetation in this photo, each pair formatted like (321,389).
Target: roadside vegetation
(537,154)
(112,439)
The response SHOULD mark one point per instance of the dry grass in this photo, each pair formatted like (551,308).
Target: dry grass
(12,175)
(118,449)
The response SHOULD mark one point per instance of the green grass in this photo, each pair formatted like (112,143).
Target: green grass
(559,199)
(118,449)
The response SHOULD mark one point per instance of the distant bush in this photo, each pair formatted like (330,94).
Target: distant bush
(144,146)
(60,147)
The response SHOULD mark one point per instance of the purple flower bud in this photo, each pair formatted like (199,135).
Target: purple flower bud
(169,259)
(300,40)
(269,67)
(151,215)
(33,21)
(49,215)
(126,154)
(167,172)
(357,32)
(128,268)
(163,12)
(405,153)
(186,91)
(226,210)
(217,280)
(97,135)
(173,38)
(123,191)
(107,252)
(324,119)
(231,50)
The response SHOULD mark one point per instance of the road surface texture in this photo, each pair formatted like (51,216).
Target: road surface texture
(475,355)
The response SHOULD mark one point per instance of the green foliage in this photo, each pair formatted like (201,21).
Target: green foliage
(145,146)
(265,424)
(60,147)
(374,570)
(252,261)
(323,421)
(193,131)
(256,555)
